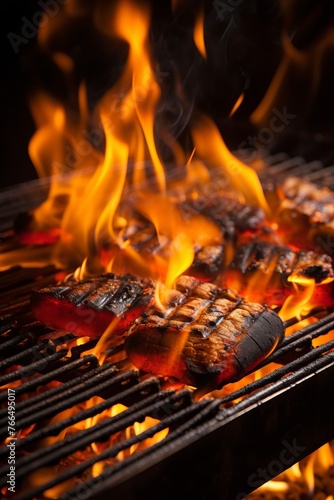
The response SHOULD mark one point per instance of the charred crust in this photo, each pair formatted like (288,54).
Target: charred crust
(228,213)
(217,350)
(107,291)
(207,262)
(261,339)
(318,273)
(261,256)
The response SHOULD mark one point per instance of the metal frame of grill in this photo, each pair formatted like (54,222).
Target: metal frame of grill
(216,448)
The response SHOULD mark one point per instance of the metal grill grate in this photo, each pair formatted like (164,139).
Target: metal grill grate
(212,444)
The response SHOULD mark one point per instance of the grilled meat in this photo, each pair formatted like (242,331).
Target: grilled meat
(231,216)
(141,237)
(205,336)
(305,215)
(88,307)
(317,203)
(265,272)
(208,262)
(212,337)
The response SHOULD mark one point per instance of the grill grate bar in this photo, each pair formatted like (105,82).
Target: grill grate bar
(14,340)
(34,330)
(11,277)
(16,308)
(149,386)
(274,159)
(299,170)
(297,167)
(27,371)
(303,169)
(7,326)
(321,175)
(31,385)
(78,396)
(279,373)
(286,381)
(203,410)
(312,313)
(23,290)
(99,432)
(20,357)
(284,167)
(27,407)
(299,339)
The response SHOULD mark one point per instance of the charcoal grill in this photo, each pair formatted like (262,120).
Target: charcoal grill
(216,448)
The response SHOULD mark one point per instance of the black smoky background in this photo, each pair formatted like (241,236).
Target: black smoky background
(244,50)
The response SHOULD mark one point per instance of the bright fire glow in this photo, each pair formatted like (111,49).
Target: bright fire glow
(135,430)
(301,474)
(94,203)
(211,147)
(295,304)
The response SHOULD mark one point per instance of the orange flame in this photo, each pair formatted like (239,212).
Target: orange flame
(211,147)
(94,202)
(302,473)
(199,33)
(93,196)
(237,104)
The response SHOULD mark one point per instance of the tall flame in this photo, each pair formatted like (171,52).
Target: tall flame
(211,147)
(95,194)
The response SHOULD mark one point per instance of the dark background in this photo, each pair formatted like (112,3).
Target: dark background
(244,50)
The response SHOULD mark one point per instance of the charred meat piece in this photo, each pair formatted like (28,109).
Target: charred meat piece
(208,262)
(231,216)
(141,236)
(211,338)
(265,272)
(305,215)
(87,308)
(317,203)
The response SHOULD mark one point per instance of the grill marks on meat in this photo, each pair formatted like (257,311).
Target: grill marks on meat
(231,216)
(260,255)
(88,307)
(208,260)
(305,215)
(206,336)
(317,203)
(261,271)
(212,337)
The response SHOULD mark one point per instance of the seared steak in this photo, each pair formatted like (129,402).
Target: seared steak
(141,237)
(305,215)
(231,216)
(212,337)
(264,272)
(89,306)
(204,335)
